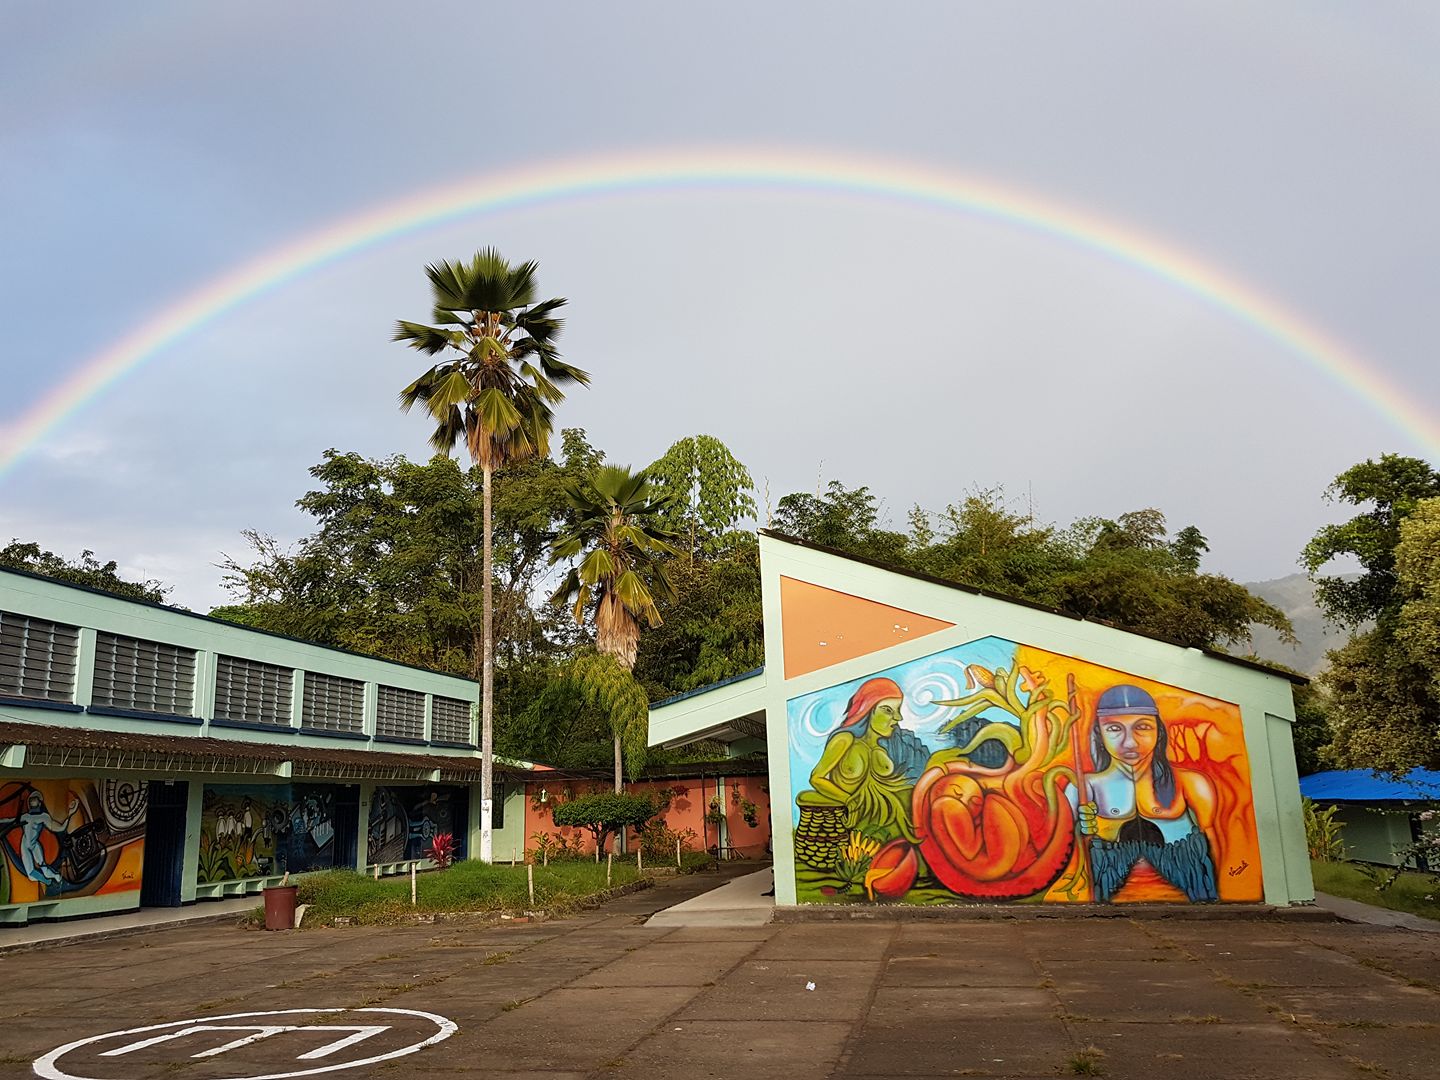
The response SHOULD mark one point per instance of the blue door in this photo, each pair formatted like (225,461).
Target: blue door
(167,803)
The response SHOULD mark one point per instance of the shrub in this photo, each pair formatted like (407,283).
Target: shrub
(1322,833)
(603,814)
(442,850)
(548,847)
(657,840)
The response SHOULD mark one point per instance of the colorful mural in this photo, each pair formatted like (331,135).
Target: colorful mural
(61,839)
(996,771)
(244,831)
(315,827)
(403,821)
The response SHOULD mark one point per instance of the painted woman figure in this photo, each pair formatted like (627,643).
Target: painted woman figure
(858,767)
(1143,810)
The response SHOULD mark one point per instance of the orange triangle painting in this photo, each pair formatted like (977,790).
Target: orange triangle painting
(821,627)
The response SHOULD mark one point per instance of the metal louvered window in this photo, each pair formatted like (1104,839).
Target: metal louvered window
(399,714)
(332,703)
(37,658)
(131,673)
(450,720)
(252,692)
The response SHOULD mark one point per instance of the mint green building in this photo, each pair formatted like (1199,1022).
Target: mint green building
(933,744)
(150,756)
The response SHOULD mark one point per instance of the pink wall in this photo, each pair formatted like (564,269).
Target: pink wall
(689,799)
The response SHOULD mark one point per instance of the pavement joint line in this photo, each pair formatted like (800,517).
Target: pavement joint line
(847,1048)
(608,1069)
(1316,1037)
(1378,965)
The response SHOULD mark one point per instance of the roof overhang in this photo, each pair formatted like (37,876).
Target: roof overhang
(726,712)
(25,745)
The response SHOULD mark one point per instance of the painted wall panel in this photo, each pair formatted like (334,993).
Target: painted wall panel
(952,777)
(61,839)
(405,820)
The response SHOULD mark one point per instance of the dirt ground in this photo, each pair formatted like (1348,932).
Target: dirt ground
(601,995)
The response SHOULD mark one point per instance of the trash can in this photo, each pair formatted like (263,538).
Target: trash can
(280,907)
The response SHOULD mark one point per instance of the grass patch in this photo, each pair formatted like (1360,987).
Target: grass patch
(470,886)
(1417,894)
(1086,1062)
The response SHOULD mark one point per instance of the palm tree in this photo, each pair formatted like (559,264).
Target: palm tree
(620,539)
(495,387)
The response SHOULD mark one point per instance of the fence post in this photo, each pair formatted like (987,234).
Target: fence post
(609,857)
(530,876)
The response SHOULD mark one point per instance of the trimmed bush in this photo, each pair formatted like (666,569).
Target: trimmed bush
(604,814)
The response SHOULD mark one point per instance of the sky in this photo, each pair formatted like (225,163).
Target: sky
(823,331)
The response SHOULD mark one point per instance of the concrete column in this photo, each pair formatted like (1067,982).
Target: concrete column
(190,868)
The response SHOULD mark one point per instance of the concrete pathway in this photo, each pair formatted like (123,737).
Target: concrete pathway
(605,996)
(741,902)
(1355,911)
(131,922)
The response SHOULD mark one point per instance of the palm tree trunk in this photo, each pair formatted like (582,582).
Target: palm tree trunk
(487,680)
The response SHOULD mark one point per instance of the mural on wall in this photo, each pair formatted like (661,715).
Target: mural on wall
(244,831)
(404,820)
(61,839)
(314,827)
(996,771)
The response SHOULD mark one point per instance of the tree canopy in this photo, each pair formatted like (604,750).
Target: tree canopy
(87,570)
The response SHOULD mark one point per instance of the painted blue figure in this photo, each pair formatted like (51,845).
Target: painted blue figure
(33,822)
(1142,809)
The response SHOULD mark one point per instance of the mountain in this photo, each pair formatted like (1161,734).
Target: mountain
(1295,596)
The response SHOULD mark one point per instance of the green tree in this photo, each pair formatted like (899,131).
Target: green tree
(603,814)
(86,570)
(843,518)
(1385,683)
(1390,489)
(1128,573)
(618,543)
(708,491)
(712,628)
(982,541)
(494,390)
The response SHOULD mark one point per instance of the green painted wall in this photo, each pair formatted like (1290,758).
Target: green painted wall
(1372,835)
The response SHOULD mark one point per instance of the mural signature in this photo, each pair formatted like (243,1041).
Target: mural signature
(1236,871)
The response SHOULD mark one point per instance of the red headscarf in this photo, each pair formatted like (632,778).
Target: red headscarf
(870,694)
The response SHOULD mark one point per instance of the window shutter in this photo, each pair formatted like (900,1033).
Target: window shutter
(252,692)
(37,658)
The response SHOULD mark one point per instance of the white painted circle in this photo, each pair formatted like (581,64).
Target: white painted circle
(48,1067)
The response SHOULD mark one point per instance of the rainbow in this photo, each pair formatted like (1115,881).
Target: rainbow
(725,169)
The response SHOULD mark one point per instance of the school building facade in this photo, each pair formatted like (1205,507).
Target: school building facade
(929,743)
(150,756)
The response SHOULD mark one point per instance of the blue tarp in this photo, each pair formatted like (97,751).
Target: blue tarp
(1364,786)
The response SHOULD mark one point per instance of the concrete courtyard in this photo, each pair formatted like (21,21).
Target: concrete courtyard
(604,995)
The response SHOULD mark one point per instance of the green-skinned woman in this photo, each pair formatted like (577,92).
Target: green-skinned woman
(856,771)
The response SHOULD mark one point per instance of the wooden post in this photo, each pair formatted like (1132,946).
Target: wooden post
(377,871)
(609,857)
(512,855)
(639,860)
(678,862)
(530,875)
(412,884)
(545,855)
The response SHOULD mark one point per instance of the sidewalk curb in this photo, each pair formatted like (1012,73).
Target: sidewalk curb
(1032,912)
